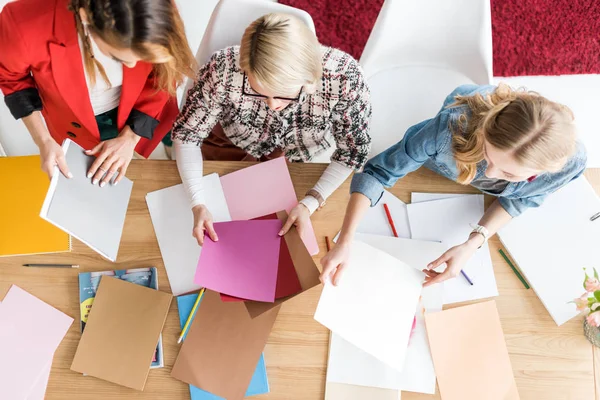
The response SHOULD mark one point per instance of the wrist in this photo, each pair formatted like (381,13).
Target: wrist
(475,240)
(130,135)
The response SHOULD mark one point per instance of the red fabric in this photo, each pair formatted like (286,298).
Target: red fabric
(343,24)
(535,37)
(40,36)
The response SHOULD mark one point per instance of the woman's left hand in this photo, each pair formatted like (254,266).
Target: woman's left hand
(299,217)
(112,157)
(455,259)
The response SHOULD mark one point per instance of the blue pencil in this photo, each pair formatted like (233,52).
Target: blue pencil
(466,277)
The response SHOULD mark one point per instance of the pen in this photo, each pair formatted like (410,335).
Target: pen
(52,265)
(327,243)
(595,217)
(390,220)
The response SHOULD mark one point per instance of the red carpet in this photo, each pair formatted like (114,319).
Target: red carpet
(534,37)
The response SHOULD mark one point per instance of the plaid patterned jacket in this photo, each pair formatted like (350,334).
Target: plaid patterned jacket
(337,114)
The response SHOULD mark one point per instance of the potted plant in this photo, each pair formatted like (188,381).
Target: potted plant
(590,303)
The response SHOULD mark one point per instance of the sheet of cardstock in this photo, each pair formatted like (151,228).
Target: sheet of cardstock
(121,333)
(23,231)
(373,306)
(244,261)
(449,221)
(259,383)
(418,197)
(38,392)
(349,364)
(25,348)
(340,391)
(221,350)
(287,279)
(263,189)
(469,353)
(306,270)
(173,222)
(552,245)
(375,220)
(92,214)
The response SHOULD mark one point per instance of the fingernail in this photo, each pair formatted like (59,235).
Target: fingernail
(88,151)
(115,183)
(94,181)
(102,184)
(69,175)
(89,175)
(280,233)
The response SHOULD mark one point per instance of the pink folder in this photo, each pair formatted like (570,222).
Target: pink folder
(243,262)
(263,189)
(30,332)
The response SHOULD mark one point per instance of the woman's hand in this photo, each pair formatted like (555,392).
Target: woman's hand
(334,263)
(52,154)
(455,259)
(113,157)
(203,221)
(299,217)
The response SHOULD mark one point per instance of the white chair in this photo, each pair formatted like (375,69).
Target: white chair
(417,53)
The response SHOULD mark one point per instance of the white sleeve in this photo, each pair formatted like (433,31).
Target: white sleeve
(333,176)
(189,164)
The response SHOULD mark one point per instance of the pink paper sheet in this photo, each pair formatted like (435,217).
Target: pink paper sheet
(38,392)
(263,189)
(30,332)
(243,263)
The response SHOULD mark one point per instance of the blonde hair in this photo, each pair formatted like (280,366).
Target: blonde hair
(538,133)
(282,54)
(153,29)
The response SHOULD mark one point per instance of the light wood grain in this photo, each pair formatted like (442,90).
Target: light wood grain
(549,362)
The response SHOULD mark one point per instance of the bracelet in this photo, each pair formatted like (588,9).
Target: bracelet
(482,230)
(316,195)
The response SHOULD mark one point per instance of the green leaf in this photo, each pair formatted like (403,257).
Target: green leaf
(596,274)
(597,295)
(584,279)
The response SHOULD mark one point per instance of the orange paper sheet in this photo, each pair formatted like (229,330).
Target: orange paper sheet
(469,353)
(23,186)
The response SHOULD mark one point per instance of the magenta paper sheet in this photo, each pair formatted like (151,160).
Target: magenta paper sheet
(264,189)
(30,332)
(243,262)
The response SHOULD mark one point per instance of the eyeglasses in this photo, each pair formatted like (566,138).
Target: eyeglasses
(260,96)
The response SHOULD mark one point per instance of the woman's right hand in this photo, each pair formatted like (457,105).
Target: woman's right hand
(203,221)
(51,154)
(334,263)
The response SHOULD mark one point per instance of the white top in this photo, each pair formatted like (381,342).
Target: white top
(102,96)
(189,163)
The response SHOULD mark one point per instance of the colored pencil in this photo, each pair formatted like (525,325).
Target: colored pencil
(466,277)
(190,317)
(390,220)
(327,243)
(517,273)
(52,265)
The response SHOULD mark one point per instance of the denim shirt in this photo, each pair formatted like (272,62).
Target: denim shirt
(429,143)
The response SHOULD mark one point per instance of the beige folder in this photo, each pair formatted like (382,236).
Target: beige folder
(469,353)
(122,331)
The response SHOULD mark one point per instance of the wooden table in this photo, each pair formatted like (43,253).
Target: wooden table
(549,362)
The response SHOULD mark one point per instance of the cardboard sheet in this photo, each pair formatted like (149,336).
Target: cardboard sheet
(222,347)
(173,222)
(30,333)
(243,262)
(306,270)
(263,189)
(373,306)
(121,333)
(469,353)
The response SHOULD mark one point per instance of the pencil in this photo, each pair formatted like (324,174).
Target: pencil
(466,277)
(517,273)
(190,317)
(390,220)
(52,265)
(327,243)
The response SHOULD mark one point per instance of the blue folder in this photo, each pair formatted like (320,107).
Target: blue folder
(259,383)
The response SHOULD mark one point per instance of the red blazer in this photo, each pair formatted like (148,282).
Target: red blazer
(41,68)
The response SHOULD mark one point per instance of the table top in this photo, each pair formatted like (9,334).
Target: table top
(549,362)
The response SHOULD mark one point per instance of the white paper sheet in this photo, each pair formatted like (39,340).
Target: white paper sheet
(448,221)
(553,243)
(374,304)
(375,221)
(340,391)
(417,197)
(349,365)
(173,222)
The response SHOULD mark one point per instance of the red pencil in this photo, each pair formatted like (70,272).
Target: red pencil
(390,220)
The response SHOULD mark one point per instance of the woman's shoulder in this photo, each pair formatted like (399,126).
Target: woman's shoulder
(468,90)
(342,72)
(227,58)
(31,16)
(572,168)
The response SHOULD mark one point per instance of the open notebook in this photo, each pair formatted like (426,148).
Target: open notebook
(92,214)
